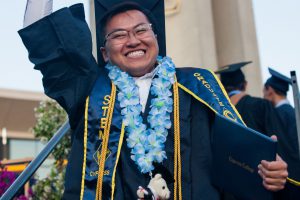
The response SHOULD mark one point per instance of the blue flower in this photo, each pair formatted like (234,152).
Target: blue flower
(137,135)
(153,141)
(159,155)
(128,97)
(138,149)
(132,109)
(160,87)
(164,104)
(145,163)
(132,120)
(161,133)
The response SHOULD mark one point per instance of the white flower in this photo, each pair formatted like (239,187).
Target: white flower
(47,189)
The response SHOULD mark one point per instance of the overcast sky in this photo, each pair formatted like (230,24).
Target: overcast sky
(277,26)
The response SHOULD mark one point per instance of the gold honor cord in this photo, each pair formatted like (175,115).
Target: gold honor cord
(294,182)
(177,155)
(85,144)
(118,156)
(102,157)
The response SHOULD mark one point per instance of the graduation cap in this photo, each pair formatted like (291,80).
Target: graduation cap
(157,18)
(232,75)
(278,81)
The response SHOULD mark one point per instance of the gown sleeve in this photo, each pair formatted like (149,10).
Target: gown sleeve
(60,46)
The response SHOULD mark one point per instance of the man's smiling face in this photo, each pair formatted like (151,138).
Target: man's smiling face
(135,56)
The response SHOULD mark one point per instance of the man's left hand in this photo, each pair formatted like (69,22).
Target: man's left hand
(274,174)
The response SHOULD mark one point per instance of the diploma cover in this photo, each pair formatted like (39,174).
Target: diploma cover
(237,151)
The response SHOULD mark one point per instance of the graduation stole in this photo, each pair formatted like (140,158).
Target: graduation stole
(103,137)
(104,132)
(204,86)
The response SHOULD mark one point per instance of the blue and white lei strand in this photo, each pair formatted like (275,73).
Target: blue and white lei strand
(147,145)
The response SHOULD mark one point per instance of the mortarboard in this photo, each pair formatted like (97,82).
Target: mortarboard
(278,81)
(156,8)
(232,75)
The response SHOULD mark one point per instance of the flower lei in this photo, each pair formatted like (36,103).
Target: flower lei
(147,145)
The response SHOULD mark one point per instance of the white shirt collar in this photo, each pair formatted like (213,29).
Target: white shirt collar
(146,76)
(282,102)
(144,84)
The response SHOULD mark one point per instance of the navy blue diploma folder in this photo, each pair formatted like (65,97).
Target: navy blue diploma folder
(237,151)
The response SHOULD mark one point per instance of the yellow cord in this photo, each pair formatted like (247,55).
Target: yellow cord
(177,155)
(85,146)
(104,144)
(294,182)
(117,159)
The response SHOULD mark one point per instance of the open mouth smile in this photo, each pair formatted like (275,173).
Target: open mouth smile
(135,54)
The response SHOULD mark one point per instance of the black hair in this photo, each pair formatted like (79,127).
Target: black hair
(240,86)
(120,8)
(280,93)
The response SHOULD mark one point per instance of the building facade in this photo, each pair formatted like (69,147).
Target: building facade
(16,120)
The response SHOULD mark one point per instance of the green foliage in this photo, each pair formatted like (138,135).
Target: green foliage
(50,116)
(50,188)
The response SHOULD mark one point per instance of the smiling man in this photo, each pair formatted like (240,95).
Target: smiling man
(136,117)
(130,43)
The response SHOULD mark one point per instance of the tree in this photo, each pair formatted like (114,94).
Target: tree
(50,116)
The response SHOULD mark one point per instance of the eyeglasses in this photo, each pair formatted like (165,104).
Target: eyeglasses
(121,36)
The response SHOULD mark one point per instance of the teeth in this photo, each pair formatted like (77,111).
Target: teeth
(135,54)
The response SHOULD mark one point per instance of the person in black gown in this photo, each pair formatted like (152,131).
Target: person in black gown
(275,90)
(60,47)
(258,114)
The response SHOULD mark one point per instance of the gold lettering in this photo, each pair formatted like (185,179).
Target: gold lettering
(103,122)
(204,82)
(207,85)
(104,108)
(92,173)
(101,134)
(241,164)
(106,100)
(95,173)
(199,77)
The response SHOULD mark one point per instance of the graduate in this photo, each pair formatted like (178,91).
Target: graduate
(257,113)
(140,126)
(275,90)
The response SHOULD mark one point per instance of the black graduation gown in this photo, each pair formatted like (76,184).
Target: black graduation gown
(260,115)
(287,115)
(60,47)
(291,154)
